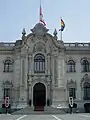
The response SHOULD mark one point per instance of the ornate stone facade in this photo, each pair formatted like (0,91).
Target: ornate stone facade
(52,56)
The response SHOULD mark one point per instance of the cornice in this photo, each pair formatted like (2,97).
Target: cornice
(77,52)
(6,52)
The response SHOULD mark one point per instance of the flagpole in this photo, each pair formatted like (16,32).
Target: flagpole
(39,11)
(60,35)
(60,31)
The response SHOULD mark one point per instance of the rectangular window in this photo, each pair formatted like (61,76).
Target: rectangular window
(71,68)
(86,93)
(10,68)
(39,67)
(72,92)
(6,92)
(6,69)
(85,68)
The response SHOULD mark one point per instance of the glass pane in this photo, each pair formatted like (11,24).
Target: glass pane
(6,68)
(72,92)
(39,61)
(40,66)
(43,66)
(10,68)
(85,66)
(6,92)
(87,93)
(37,66)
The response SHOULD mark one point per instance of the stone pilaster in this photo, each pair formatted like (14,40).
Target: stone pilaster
(30,64)
(23,75)
(60,66)
(55,72)
(48,63)
(22,68)
(48,90)
(30,89)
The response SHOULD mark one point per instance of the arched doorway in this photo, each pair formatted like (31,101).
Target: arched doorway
(39,94)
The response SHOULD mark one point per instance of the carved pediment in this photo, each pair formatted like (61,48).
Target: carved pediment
(7,84)
(39,29)
(8,58)
(71,84)
(39,47)
(85,79)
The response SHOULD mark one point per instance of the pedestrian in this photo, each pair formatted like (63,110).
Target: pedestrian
(70,109)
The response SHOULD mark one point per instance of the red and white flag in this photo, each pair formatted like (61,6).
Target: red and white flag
(41,17)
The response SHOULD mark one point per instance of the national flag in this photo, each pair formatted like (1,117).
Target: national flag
(41,17)
(62,25)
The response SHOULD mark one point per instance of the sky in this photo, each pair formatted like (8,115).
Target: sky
(18,14)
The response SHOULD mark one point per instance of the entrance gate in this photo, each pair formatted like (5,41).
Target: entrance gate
(39,95)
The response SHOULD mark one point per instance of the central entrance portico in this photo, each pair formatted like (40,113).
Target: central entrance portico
(39,95)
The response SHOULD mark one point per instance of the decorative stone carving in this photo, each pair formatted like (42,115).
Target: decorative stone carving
(70,59)
(39,47)
(7,84)
(59,45)
(8,58)
(45,39)
(39,30)
(18,43)
(23,34)
(84,58)
(23,31)
(85,79)
(55,34)
(71,84)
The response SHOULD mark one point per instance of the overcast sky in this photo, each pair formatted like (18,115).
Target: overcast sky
(18,14)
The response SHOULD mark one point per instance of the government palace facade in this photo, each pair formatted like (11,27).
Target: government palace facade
(40,70)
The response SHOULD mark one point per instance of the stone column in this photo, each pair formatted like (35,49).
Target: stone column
(23,72)
(30,78)
(30,92)
(48,91)
(48,63)
(26,78)
(55,71)
(61,71)
(30,64)
(17,71)
(82,93)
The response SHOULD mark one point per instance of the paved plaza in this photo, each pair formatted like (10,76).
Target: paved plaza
(84,116)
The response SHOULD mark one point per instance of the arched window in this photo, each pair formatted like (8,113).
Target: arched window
(85,66)
(86,88)
(71,66)
(39,63)
(8,66)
